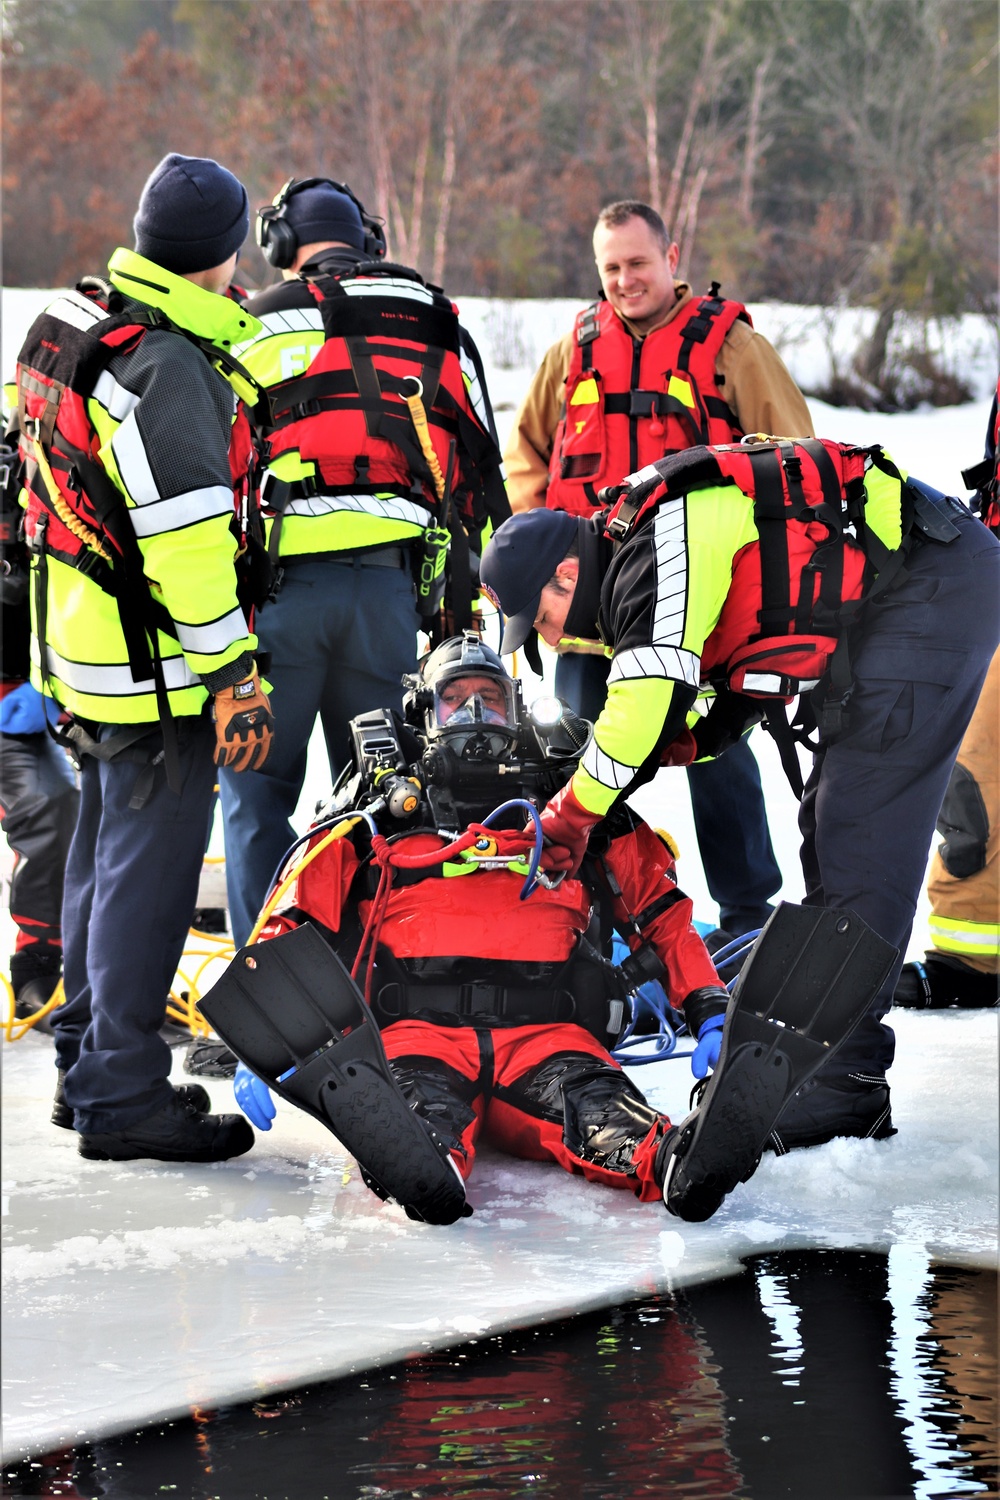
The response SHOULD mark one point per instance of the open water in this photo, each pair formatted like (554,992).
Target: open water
(809,1375)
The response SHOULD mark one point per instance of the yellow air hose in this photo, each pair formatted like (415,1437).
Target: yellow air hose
(338,832)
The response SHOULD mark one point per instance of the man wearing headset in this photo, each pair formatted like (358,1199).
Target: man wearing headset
(360,484)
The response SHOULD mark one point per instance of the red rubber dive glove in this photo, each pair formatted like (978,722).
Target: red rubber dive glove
(566,829)
(682,751)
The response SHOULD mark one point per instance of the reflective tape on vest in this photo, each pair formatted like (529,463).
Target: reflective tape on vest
(388,508)
(100,681)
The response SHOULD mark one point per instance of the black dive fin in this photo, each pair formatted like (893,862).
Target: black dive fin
(290,1010)
(810,977)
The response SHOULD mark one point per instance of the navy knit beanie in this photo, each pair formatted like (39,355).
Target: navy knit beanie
(321,213)
(192,215)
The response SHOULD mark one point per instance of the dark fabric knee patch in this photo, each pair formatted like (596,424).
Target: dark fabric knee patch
(964,824)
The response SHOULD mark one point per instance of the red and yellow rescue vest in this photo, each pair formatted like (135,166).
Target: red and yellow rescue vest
(630,401)
(346,413)
(73,511)
(784,614)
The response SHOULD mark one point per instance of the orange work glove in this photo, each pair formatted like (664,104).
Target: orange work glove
(244,725)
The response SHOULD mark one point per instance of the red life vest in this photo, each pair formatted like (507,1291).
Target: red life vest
(784,614)
(81,518)
(629,401)
(346,412)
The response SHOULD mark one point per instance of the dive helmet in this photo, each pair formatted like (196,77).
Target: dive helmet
(462,696)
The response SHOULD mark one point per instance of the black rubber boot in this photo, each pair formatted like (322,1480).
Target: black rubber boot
(34,974)
(858,1108)
(191,1093)
(939,982)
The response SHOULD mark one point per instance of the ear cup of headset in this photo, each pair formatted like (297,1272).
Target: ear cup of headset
(374,236)
(276,238)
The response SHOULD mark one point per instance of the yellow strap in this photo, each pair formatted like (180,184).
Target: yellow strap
(342,828)
(419,416)
(72,522)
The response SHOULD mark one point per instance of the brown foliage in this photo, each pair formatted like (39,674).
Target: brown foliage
(792,143)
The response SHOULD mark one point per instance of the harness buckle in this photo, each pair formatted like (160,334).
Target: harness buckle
(643,403)
(619,526)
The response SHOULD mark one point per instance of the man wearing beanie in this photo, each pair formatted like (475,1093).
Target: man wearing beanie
(352,489)
(138,505)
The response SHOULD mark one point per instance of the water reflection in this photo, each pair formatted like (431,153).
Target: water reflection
(831,1375)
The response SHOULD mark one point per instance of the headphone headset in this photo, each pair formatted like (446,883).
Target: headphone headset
(277,238)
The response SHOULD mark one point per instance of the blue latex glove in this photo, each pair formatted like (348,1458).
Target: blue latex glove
(706,1055)
(253,1097)
(24,711)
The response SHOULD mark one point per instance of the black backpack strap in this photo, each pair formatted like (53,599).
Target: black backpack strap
(770,515)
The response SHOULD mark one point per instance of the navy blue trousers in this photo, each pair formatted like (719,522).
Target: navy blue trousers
(341,634)
(727,802)
(130,890)
(873,795)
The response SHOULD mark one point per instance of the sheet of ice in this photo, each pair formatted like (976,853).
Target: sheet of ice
(135,1291)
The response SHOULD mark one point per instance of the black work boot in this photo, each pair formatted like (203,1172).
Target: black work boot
(177,1132)
(715,942)
(208,1057)
(939,981)
(854,1107)
(62,1114)
(210,919)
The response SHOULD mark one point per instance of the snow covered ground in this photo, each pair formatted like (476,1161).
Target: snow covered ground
(135,1291)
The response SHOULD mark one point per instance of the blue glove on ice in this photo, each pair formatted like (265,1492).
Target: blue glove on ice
(706,1055)
(253,1097)
(24,711)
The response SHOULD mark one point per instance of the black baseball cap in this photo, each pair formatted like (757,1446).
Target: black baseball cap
(518,562)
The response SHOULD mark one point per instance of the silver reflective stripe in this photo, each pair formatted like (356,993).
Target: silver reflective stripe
(118,402)
(762,682)
(392,509)
(670,549)
(656,661)
(115,681)
(473,387)
(398,286)
(181,510)
(641,475)
(950,934)
(133,463)
(210,639)
(294,320)
(76,309)
(605,769)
